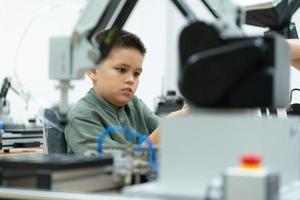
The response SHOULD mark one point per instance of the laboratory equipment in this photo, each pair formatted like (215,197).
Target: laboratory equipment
(275,15)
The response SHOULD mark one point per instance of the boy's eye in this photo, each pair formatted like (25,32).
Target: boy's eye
(137,74)
(121,70)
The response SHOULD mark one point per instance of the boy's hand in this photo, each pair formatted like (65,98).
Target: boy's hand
(154,137)
(182,112)
(295,52)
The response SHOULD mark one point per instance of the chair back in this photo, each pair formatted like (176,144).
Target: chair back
(54,137)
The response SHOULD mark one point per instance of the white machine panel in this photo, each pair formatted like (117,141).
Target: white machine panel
(196,149)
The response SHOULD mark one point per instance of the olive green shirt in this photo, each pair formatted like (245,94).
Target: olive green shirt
(92,115)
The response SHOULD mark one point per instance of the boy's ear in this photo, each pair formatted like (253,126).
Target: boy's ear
(92,73)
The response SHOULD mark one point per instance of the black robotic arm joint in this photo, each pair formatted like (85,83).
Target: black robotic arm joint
(217,72)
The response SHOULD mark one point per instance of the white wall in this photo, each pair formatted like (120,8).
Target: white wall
(27,26)
(157,22)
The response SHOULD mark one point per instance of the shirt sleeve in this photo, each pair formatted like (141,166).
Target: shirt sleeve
(151,119)
(82,134)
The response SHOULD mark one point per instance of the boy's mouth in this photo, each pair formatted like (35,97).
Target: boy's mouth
(127,91)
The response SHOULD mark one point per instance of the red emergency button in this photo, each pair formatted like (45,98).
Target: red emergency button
(251,161)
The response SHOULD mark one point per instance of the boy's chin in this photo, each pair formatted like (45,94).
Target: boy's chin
(123,101)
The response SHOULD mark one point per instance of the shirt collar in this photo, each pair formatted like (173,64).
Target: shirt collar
(103,103)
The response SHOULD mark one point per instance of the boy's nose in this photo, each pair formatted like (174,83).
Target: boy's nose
(129,79)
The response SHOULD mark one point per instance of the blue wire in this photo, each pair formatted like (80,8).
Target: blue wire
(129,134)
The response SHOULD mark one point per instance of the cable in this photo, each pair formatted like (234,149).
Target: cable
(129,134)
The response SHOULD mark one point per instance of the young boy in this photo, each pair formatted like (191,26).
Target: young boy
(111,101)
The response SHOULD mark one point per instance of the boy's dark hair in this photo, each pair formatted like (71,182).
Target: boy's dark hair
(125,39)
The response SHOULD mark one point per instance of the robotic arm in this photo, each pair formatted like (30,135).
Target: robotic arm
(4,105)
(229,16)
(274,14)
(221,67)
(71,56)
(9,84)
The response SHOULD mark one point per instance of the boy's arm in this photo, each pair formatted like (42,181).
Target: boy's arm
(182,112)
(154,136)
(79,133)
(152,120)
(82,135)
(295,52)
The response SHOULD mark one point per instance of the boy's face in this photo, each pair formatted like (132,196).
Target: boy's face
(117,78)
